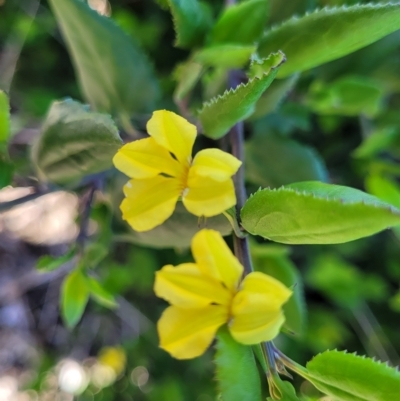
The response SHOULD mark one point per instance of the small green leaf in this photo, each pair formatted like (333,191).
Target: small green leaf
(6,171)
(383,188)
(225,55)
(273,260)
(192,20)
(316,213)
(347,96)
(241,23)
(102,296)
(114,74)
(285,389)
(274,96)
(328,34)
(379,140)
(93,254)
(237,375)
(75,142)
(49,263)
(4,118)
(348,377)
(186,74)
(339,281)
(223,112)
(74,297)
(274,160)
(177,231)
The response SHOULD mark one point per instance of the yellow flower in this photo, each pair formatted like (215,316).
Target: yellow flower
(206,294)
(162,171)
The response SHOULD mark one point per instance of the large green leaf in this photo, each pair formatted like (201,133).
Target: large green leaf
(348,377)
(237,374)
(223,112)
(192,19)
(113,72)
(274,261)
(316,213)
(4,118)
(241,23)
(177,231)
(274,160)
(74,297)
(75,142)
(328,34)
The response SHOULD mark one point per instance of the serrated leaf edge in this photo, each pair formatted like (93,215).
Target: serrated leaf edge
(328,10)
(393,369)
(216,99)
(380,205)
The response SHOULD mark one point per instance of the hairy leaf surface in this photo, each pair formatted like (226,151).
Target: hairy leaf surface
(113,72)
(348,377)
(75,142)
(316,213)
(328,34)
(223,112)
(237,374)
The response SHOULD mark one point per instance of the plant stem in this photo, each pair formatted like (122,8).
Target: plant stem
(241,245)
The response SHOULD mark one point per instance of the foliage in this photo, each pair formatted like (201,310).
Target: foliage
(306,93)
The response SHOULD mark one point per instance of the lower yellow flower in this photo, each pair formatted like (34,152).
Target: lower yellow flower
(209,293)
(162,171)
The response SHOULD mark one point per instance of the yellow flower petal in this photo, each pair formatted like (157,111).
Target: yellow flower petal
(173,133)
(257,309)
(185,286)
(187,333)
(145,158)
(206,197)
(214,258)
(149,202)
(215,164)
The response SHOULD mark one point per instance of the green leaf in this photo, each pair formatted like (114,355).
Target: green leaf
(49,263)
(274,96)
(380,140)
(316,213)
(347,96)
(383,188)
(273,260)
(4,118)
(102,296)
(285,389)
(223,112)
(192,20)
(328,34)
(241,23)
(225,55)
(274,160)
(186,74)
(348,377)
(74,297)
(93,254)
(177,231)
(75,142)
(339,281)
(6,171)
(114,74)
(237,374)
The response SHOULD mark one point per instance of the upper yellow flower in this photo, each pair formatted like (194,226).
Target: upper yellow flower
(162,170)
(206,294)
